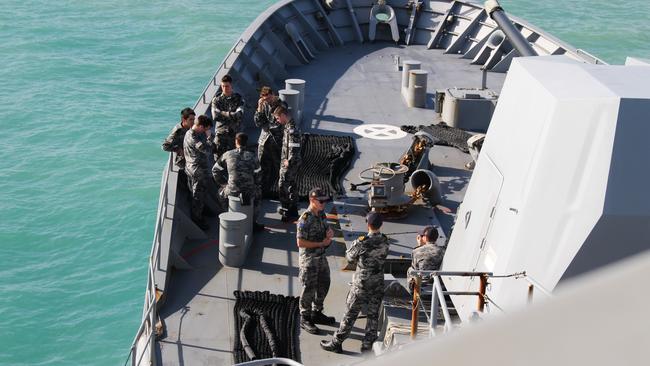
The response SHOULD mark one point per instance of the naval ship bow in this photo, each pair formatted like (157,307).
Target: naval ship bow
(520,148)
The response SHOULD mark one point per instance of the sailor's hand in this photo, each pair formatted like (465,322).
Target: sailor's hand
(443,209)
(326,242)
(285,163)
(330,233)
(260,104)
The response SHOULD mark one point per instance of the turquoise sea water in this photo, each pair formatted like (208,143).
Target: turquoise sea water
(88,89)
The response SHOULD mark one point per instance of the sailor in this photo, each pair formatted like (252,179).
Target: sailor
(227,112)
(290,160)
(243,175)
(428,255)
(313,236)
(196,148)
(369,253)
(174,142)
(268,147)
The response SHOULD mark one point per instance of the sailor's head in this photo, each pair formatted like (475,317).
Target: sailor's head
(241,139)
(428,234)
(202,123)
(318,198)
(187,117)
(281,114)
(266,92)
(374,220)
(226,85)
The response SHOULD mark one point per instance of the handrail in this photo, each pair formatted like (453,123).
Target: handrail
(438,295)
(597,60)
(149,315)
(214,77)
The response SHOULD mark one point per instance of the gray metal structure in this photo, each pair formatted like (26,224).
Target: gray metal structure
(353,89)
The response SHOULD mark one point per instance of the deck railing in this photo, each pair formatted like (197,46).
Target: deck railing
(438,303)
(149,316)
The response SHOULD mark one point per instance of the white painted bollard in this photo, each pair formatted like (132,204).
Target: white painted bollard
(416,96)
(407,66)
(232,239)
(299,85)
(292,98)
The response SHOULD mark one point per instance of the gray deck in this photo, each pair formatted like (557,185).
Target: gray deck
(349,86)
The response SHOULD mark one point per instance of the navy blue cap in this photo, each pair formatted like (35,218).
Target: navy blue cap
(374,219)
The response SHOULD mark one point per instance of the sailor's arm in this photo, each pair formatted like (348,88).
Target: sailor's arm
(352,254)
(293,145)
(172,143)
(304,243)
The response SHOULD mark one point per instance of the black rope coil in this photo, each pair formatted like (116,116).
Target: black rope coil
(267,326)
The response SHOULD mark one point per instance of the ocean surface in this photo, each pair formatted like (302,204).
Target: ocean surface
(88,90)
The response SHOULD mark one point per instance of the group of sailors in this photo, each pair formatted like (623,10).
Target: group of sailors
(279,151)
(196,139)
(368,253)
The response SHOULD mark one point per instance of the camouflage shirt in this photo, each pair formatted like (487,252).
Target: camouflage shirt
(242,167)
(265,120)
(174,141)
(291,145)
(312,227)
(222,103)
(196,148)
(427,257)
(369,252)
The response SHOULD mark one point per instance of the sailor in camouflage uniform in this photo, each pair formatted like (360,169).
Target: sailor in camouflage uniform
(313,236)
(197,148)
(369,253)
(290,160)
(428,255)
(243,174)
(268,147)
(174,142)
(227,112)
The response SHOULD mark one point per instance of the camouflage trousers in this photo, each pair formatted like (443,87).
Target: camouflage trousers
(198,183)
(268,154)
(288,187)
(357,299)
(314,275)
(224,141)
(255,193)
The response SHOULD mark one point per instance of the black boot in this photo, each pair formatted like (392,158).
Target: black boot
(331,346)
(366,347)
(319,318)
(308,325)
(257,227)
(293,212)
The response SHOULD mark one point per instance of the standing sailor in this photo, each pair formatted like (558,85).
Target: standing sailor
(243,175)
(268,147)
(227,111)
(313,236)
(290,160)
(174,142)
(196,147)
(369,253)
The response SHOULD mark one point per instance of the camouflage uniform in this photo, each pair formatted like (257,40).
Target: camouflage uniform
(427,257)
(226,127)
(314,271)
(369,253)
(268,148)
(243,175)
(197,150)
(287,184)
(174,142)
